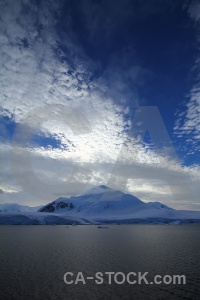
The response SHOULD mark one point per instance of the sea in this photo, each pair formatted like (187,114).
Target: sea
(62,262)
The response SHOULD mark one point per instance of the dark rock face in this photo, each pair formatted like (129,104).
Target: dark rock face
(56,205)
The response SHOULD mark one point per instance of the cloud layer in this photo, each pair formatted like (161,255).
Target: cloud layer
(48,89)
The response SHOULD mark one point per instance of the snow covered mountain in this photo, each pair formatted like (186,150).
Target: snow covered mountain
(99,204)
(16,208)
(105,204)
(98,201)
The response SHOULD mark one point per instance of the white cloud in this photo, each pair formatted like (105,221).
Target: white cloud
(38,86)
(34,77)
(50,172)
(187,125)
(194,10)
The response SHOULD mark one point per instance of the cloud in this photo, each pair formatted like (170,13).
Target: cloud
(44,173)
(194,10)
(34,77)
(49,89)
(187,125)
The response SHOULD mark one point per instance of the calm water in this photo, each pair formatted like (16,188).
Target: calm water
(33,260)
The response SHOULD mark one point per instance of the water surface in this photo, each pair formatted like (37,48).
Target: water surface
(33,260)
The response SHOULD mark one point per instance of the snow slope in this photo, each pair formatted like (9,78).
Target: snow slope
(97,201)
(35,218)
(15,208)
(103,204)
(99,204)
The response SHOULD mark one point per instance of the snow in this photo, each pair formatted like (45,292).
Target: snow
(37,218)
(158,205)
(177,222)
(97,190)
(99,204)
(14,208)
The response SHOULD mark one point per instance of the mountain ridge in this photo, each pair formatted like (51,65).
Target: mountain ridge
(99,204)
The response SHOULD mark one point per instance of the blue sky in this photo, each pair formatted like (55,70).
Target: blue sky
(100,92)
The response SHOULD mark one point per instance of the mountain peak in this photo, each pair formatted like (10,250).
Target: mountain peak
(97,190)
(104,187)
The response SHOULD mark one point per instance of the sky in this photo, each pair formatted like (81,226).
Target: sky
(99,92)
